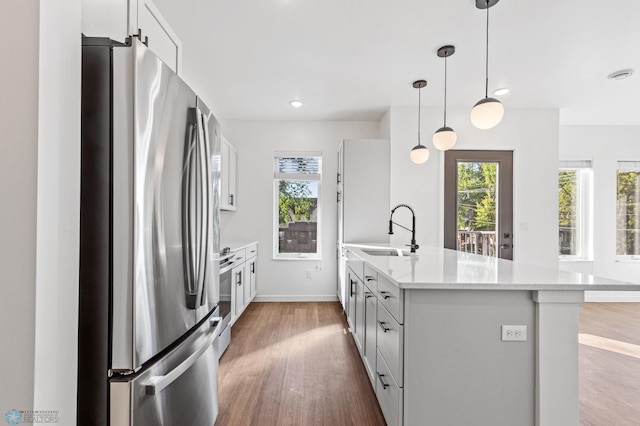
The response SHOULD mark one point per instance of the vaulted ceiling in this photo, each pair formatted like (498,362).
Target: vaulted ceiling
(352,59)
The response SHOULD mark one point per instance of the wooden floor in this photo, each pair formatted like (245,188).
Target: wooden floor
(294,364)
(610,364)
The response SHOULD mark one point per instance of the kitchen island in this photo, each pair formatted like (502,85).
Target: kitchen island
(451,338)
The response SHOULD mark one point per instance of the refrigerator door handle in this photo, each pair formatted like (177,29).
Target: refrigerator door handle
(188,257)
(205,199)
(156,384)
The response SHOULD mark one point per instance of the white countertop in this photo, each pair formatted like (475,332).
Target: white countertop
(438,268)
(237,245)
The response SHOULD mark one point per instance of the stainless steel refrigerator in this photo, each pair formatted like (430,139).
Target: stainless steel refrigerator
(149,243)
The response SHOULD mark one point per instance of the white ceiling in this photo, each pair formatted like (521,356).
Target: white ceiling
(352,59)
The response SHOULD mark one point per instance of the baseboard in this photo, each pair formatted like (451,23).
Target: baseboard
(297,298)
(612,296)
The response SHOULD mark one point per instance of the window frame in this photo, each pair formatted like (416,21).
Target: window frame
(584,209)
(627,166)
(277,177)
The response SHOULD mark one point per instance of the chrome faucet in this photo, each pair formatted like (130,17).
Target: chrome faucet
(413,245)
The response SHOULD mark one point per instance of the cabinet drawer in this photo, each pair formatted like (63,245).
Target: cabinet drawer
(370,278)
(389,394)
(356,264)
(391,296)
(241,256)
(390,341)
(251,251)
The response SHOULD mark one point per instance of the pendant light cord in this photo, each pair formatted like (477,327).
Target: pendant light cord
(445,90)
(486,68)
(419,102)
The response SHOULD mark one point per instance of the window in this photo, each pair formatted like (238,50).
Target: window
(628,209)
(297,178)
(574,210)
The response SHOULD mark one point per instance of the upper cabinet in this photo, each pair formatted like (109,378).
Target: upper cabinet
(228,194)
(118,19)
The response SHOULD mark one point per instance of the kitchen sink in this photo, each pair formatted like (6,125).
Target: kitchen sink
(386,252)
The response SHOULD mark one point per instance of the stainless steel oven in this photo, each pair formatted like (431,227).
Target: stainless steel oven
(227,261)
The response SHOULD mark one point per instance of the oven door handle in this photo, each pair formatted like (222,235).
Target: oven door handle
(226,268)
(156,384)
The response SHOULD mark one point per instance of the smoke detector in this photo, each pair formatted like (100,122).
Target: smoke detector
(621,75)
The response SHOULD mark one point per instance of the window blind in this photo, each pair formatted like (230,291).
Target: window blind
(629,165)
(575,164)
(298,168)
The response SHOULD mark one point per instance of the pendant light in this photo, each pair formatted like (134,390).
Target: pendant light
(420,153)
(445,137)
(487,112)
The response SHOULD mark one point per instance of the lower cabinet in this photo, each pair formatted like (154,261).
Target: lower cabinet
(238,283)
(388,392)
(243,279)
(370,316)
(251,273)
(352,283)
(358,332)
(375,311)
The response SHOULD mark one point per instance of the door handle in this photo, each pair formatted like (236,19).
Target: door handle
(381,325)
(188,233)
(380,378)
(203,142)
(156,384)
(385,294)
(231,199)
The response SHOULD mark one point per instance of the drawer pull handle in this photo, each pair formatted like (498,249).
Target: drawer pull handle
(385,294)
(368,295)
(369,278)
(384,329)
(384,385)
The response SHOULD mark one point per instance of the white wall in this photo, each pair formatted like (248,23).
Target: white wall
(256,142)
(533,136)
(605,146)
(18,180)
(58,212)
(39,193)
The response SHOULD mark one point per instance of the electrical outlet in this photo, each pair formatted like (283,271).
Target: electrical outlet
(308,275)
(514,333)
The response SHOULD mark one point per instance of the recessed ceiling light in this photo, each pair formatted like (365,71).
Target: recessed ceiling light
(621,75)
(295,103)
(501,91)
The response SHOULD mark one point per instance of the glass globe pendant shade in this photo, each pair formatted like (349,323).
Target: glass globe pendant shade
(444,138)
(487,113)
(419,154)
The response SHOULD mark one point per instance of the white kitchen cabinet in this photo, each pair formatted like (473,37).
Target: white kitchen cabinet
(252,277)
(162,40)
(243,279)
(119,19)
(352,282)
(370,324)
(364,191)
(358,331)
(228,195)
(237,305)
(362,200)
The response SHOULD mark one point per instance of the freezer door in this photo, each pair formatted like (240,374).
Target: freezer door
(179,389)
(156,160)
